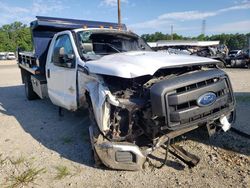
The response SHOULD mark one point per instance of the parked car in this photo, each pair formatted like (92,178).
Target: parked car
(3,56)
(10,56)
(233,53)
(239,58)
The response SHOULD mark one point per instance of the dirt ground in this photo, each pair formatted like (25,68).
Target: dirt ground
(40,149)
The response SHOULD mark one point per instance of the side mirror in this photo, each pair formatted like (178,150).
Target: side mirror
(59,58)
(68,60)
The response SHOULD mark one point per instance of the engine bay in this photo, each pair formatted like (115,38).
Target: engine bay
(134,121)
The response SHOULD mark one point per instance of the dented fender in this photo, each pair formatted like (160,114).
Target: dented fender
(101,98)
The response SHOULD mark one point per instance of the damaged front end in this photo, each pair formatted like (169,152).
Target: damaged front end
(136,116)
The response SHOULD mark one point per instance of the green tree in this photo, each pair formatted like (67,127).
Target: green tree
(15,35)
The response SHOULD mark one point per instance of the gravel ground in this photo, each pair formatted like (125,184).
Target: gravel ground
(40,149)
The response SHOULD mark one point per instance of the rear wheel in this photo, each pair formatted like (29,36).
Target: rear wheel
(30,94)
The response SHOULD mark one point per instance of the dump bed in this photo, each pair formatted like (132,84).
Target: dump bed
(43,29)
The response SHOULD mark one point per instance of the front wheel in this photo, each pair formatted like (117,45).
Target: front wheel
(94,132)
(30,94)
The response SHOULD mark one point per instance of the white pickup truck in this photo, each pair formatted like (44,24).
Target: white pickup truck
(138,99)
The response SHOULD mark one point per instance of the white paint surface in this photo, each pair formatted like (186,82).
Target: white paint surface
(140,63)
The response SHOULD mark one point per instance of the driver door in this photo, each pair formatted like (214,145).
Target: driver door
(61,72)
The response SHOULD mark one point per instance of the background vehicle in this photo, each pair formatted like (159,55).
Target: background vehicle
(234,53)
(3,56)
(10,56)
(239,58)
(210,49)
(138,99)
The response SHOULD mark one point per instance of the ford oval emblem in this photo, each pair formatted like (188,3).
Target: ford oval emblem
(206,99)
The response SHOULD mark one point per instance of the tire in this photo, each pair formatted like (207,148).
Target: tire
(221,65)
(30,94)
(248,65)
(232,63)
(94,132)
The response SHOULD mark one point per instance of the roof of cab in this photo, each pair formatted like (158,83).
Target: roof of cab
(106,30)
(51,23)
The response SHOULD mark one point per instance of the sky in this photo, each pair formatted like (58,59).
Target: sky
(140,16)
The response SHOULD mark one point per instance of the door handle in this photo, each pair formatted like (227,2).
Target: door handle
(48,73)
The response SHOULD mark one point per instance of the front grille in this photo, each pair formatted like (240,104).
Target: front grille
(179,98)
(183,107)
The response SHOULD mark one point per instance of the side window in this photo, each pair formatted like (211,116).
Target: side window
(63,53)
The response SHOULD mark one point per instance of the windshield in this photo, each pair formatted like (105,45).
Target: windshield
(95,44)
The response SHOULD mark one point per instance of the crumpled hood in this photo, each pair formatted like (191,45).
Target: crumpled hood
(135,64)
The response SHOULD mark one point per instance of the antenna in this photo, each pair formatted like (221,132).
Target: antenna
(119,12)
(203,27)
(172,32)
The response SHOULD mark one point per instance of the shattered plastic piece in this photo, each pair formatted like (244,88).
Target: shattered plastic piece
(225,124)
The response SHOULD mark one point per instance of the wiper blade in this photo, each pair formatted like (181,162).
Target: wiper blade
(108,44)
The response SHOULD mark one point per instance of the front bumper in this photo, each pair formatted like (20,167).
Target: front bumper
(122,156)
(128,156)
(117,155)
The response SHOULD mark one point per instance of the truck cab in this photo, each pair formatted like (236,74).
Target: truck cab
(138,99)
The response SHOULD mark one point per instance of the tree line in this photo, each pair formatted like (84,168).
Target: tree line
(233,41)
(17,34)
